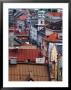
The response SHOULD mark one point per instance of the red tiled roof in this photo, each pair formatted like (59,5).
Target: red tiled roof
(24,32)
(21,34)
(22,17)
(56,14)
(12,29)
(22,37)
(24,54)
(23,72)
(52,37)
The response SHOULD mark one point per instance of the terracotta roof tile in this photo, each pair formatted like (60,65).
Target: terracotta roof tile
(55,14)
(22,17)
(12,29)
(52,37)
(20,72)
(23,54)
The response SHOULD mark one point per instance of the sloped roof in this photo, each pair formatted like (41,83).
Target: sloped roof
(21,72)
(55,14)
(24,54)
(22,17)
(24,33)
(12,29)
(52,37)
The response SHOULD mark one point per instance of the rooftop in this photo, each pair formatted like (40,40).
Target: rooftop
(53,37)
(56,14)
(25,72)
(22,17)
